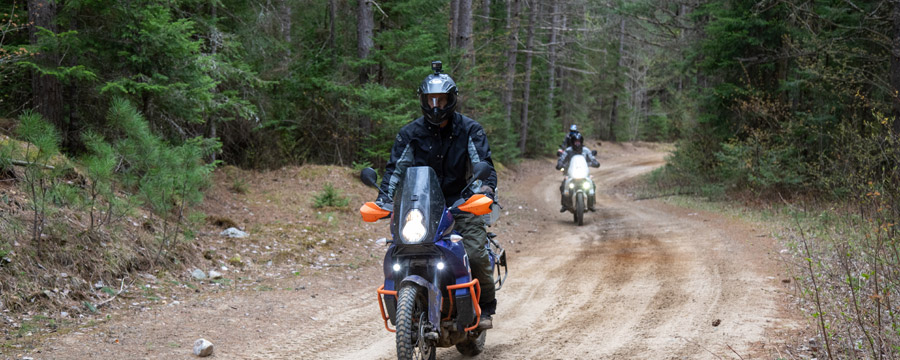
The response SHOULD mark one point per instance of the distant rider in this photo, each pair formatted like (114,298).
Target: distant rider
(450,143)
(567,141)
(576,149)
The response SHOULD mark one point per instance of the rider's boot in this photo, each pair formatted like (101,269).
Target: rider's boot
(485,322)
(487,309)
(562,209)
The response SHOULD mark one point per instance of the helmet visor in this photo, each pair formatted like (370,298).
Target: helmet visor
(433,101)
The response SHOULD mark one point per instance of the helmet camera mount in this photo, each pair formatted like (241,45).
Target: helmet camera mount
(436,66)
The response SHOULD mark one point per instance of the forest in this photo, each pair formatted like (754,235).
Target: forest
(778,101)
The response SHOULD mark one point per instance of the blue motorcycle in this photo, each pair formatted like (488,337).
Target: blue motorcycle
(429,294)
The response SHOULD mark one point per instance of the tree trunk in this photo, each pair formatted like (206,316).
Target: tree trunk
(286,17)
(454,22)
(46,89)
(551,68)
(614,114)
(464,33)
(526,86)
(512,25)
(213,49)
(683,13)
(486,14)
(332,16)
(895,65)
(364,26)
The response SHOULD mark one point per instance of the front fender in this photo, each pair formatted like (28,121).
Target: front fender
(434,297)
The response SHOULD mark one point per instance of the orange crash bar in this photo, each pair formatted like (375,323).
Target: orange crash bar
(382,291)
(472,286)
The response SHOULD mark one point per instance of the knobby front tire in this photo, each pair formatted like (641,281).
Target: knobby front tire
(411,312)
(579,209)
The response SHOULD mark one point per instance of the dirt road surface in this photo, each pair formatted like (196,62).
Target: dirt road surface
(639,280)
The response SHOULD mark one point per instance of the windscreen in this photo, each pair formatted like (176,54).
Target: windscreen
(578,167)
(419,190)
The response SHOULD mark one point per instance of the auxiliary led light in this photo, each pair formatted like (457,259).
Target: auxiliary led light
(571,185)
(586,185)
(440,265)
(396,267)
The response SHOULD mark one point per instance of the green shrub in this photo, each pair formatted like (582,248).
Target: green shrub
(169,178)
(330,197)
(239,186)
(760,164)
(40,178)
(6,160)
(359,166)
(99,165)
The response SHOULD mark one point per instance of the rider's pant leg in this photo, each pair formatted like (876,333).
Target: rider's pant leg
(474,234)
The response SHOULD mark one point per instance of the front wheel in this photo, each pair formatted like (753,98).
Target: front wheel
(579,209)
(411,320)
(472,346)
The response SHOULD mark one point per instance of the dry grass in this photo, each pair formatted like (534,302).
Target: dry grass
(61,273)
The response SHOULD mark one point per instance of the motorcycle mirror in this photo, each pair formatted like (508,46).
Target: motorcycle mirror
(368,176)
(482,170)
(594,152)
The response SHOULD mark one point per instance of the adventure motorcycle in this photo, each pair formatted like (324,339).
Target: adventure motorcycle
(429,294)
(578,189)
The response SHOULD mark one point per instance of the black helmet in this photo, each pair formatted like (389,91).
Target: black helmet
(573,130)
(438,83)
(577,143)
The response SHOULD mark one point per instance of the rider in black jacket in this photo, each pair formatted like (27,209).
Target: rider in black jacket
(451,144)
(567,141)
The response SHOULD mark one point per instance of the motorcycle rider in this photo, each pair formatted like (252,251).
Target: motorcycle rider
(567,141)
(450,143)
(573,130)
(577,148)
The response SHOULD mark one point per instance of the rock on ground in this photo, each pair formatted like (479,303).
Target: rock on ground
(198,274)
(203,348)
(234,232)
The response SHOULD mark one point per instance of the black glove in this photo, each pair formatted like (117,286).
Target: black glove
(383,200)
(487,191)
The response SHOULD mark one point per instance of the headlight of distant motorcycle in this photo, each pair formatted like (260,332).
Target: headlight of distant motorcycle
(571,185)
(586,185)
(414,228)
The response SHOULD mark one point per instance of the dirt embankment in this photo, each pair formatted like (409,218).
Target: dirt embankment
(641,279)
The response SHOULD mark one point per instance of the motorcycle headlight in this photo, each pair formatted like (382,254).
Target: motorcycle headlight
(414,228)
(571,185)
(586,185)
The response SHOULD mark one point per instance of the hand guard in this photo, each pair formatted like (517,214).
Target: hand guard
(487,191)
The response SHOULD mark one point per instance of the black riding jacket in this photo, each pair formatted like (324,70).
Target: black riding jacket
(451,151)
